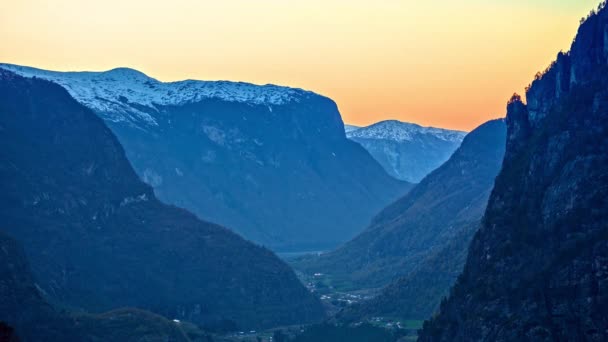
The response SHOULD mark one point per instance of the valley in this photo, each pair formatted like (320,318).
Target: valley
(145,210)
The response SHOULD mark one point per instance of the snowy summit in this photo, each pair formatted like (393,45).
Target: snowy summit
(113,93)
(403,131)
(407,151)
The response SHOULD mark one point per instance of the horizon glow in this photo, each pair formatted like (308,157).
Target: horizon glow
(451,64)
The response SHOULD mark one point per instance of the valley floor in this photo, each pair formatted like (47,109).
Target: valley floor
(336,297)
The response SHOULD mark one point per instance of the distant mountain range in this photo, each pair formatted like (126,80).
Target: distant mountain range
(442,210)
(98,239)
(406,151)
(537,270)
(270,162)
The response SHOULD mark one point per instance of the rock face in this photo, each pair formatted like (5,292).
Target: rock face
(270,162)
(438,216)
(97,238)
(407,151)
(538,268)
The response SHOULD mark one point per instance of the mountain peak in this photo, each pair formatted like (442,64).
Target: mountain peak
(126,73)
(125,94)
(407,151)
(350,128)
(403,131)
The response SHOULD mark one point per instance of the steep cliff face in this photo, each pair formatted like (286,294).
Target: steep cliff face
(538,268)
(97,238)
(272,163)
(445,207)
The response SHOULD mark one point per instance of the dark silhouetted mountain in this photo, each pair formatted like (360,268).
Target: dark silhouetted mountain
(537,270)
(29,317)
(270,162)
(97,238)
(437,216)
(21,304)
(407,151)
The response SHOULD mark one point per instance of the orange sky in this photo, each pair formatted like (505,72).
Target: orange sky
(444,63)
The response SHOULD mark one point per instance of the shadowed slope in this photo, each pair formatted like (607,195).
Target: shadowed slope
(97,237)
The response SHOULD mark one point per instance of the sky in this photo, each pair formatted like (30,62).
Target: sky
(444,63)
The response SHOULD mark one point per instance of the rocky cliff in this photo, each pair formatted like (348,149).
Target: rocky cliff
(537,270)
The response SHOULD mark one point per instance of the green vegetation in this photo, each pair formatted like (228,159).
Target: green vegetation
(131,325)
(412,324)
(333,333)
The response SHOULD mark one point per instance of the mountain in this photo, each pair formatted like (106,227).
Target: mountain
(417,294)
(440,211)
(537,270)
(406,151)
(350,128)
(98,239)
(22,306)
(270,162)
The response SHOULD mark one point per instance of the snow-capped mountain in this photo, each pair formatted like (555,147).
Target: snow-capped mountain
(98,239)
(402,131)
(125,94)
(407,151)
(265,161)
(350,128)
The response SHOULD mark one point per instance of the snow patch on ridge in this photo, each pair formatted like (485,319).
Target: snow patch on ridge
(350,128)
(124,94)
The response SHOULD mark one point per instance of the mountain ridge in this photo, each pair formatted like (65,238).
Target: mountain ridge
(404,131)
(131,88)
(275,174)
(407,151)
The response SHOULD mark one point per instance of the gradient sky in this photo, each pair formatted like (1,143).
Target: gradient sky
(445,63)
